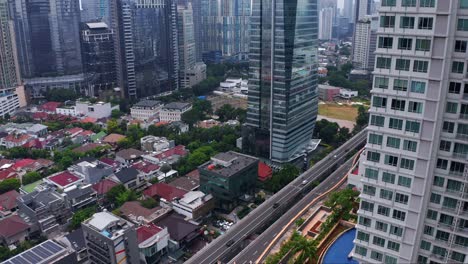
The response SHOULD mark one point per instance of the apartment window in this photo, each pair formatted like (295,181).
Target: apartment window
(442,252)
(448,127)
(415,107)
(385,42)
(458,67)
(410,145)
(366,206)
(407,164)
(404,181)
(438,181)
(425,23)
(427,3)
(442,164)
(388,177)
(400,85)
(454,88)
(378,241)
(395,230)
(412,126)
(408,3)
(418,87)
(391,160)
(373,156)
(441,235)
(459,257)
(381,82)
(401,198)
(398,105)
(364,221)
(388,3)
(395,123)
(425,245)
(381,226)
(435,198)
(463,4)
(454,185)
(446,219)
(380,102)
(405,44)
(431,214)
(360,251)
(371,174)
(393,142)
(399,215)
(402,65)
(387,195)
(423,44)
(384,63)
(422,259)
(362,236)
(407,22)
(428,230)
(376,255)
(445,145)
(393,246)
(369,190)
(451,108)
(457,167)
(375,139)
(382,210)
(390,260)
(462,241)
(387,21)
(420,66)
(450,202)
(377,121)
(460,46)
(462,24)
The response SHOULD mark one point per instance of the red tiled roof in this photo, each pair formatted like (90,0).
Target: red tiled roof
(113,138)
(109,162)
(17,138)
(86,133)
(12,225)
(87,147)
(74,130)
(45,162)
(5,162)
(165,191)
(40,115)
(264,171)
(104,186)
(36,143)
(23,163)
(8,200)
(145,167)
(51,106)
(147,231)
(178,150)
(88,120)
(195,174)
(8,174)
(63,178)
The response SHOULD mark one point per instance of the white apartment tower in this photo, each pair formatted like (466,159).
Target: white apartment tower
(326,18)
(414,202)
(365,43)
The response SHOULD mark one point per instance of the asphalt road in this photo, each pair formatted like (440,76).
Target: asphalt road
(218,251)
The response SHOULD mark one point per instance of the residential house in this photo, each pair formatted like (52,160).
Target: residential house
(16,140)
(145,109)
(50,107)
(264,172)
(152,242)
(208,123)
(8,203)
(181,232)
(173,112)
(113,139)
(13,230)
(156,144)
(128,156)
(91,169)
(102,187)
(136,213)
(170,156)
(45,209)
(129,177)
(186,183)
(147,170)
(164,192)
(79,196)
(194,205)
(48,252)
(64,179)
(180,126)
(75,241)
(89,147)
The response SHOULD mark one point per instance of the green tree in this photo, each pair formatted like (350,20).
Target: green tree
(149,203)
(116,114)
(9,184)
(191,117)
(197,158)
(226,112)
(125,196)
(61,95)
(113,126)
(31,177)
(165,168)
(112,194)
(81,215)
(307,249)
(362,119)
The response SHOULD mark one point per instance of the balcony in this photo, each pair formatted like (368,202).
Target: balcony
(464,116)
(461,136)
(457,155)
(446,226)
(465,95)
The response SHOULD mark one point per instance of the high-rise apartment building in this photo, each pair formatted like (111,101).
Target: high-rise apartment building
(414,201)
(365,43)
(348,9)
(326,20)
(283,80)
(363,8)
(97,48)
(147,50)
(110,239)
(224,26)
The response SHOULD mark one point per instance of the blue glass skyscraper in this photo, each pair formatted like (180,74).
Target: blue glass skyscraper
(282,99)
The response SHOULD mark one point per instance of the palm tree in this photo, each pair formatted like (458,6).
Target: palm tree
(307,249)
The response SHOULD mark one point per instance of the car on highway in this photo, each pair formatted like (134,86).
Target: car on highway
(275,205)
(304,182)
(230,243)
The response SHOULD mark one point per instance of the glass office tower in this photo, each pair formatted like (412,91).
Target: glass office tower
(282,102)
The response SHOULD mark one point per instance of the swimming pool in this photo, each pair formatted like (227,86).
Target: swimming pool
(340,249)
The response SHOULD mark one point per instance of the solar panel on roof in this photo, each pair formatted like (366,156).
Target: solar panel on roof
(52,247)
(42,252)
(19,260)
(33,258)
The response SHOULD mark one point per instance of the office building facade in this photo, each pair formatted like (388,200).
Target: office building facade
(326,20)
(414,202)
(95,10)
(282,99)
(147,59)
(186,43)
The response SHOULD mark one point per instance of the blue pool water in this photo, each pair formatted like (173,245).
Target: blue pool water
(340,249)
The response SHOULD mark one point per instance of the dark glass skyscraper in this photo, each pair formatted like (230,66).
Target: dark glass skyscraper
(8,67)
(47,33)
(283,81)
(147,45)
